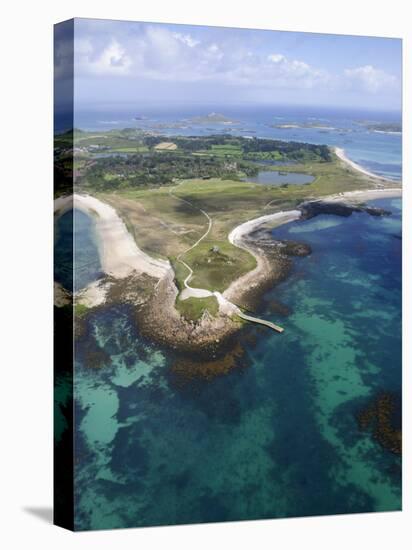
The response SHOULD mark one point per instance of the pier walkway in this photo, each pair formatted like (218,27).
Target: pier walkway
(259,321)
(229,308)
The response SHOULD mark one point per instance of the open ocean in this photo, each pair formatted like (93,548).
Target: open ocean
(277,435)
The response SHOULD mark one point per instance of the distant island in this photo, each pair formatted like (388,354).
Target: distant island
(382,127)
(290,125)
(212,118)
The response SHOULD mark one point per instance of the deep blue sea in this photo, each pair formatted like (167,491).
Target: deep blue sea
(379,152)
(276,435)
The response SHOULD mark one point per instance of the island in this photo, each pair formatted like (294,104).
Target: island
(213,118)
(293,125)
(180,223)
(382,127)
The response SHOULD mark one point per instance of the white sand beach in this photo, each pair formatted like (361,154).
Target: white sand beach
(340,153)
(366,195)
(236,235)
(255,277)
(119,254)
(389,132)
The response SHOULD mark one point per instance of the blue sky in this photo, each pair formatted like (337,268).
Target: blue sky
(161,64)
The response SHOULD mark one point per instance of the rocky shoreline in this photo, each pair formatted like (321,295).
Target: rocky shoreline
(154,299)
(210,333)
(311,209)
(159,320)
(275,260)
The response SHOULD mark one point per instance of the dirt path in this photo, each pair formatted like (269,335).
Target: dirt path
(190,292)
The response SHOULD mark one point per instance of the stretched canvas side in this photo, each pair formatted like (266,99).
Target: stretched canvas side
(63,276)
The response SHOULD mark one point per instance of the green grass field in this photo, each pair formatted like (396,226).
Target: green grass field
(166,227)
(226,150)
(215,270)
(193,308)
(173,226)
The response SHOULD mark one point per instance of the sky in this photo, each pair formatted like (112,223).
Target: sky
(126,63)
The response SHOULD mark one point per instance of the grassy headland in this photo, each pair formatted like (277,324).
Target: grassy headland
(146,181)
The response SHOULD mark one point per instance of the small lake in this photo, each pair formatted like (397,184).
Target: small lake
(275,177)
(77,262)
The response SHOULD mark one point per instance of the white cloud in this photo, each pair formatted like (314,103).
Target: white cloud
(186,39)
(369,79)
(154,52)
(213,52)
(113,59)
(161,43)
(276,57)
(292,72)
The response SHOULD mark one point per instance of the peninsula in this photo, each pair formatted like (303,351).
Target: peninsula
(176,226)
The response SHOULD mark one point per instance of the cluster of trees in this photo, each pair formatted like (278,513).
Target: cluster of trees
(288,150)
(162,167)
(158,169)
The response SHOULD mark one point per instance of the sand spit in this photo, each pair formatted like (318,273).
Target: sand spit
(250,282)
(367,195)
(120,257)
(340,153)
(236,235)
(265,269)
(119,254)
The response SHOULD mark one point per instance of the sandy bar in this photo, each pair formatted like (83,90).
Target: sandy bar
(236,236)
(367,195)
(279,218)
(119,254)
(340,153)
(259,274)
(390,132)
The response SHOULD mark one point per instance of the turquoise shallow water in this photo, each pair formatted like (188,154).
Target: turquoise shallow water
(277,435)
(77,262)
